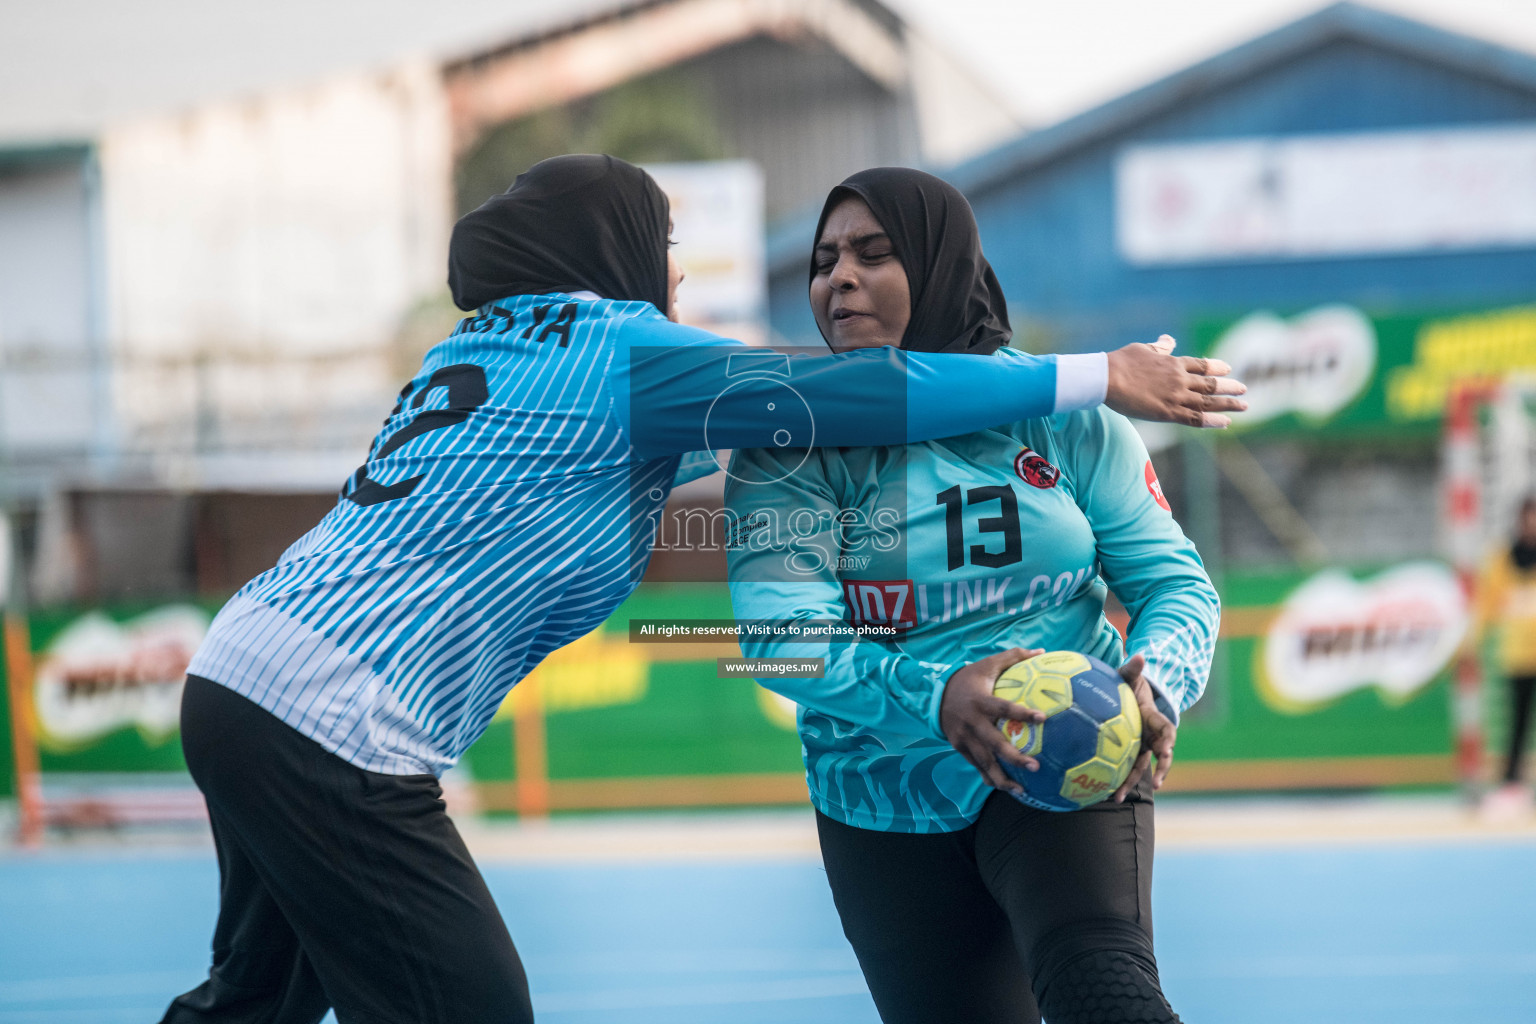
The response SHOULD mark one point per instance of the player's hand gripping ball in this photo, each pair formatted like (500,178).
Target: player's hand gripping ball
(1090,737)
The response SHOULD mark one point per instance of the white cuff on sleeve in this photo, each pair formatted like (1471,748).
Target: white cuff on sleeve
(1082,381)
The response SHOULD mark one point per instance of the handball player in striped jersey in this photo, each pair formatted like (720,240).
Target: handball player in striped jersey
(507,506)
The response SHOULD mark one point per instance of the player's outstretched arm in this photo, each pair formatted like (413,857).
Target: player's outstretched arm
(1148,382)
(678,389)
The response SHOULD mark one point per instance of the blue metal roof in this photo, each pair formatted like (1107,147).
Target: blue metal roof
(787,242)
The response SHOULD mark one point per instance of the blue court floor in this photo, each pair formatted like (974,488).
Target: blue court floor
(1325,931)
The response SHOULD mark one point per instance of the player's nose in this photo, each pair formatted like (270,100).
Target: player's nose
(843,277)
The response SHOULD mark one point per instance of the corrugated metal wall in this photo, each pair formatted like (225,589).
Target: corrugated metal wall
(1050,233)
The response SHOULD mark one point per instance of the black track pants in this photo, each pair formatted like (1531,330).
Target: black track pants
(1024,911)
(1521,689)
(338,887)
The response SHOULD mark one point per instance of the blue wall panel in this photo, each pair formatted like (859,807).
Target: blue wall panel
(1048,226)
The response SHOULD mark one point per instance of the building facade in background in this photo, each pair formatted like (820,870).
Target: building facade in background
(1319,205)
(204,313)
(217,301)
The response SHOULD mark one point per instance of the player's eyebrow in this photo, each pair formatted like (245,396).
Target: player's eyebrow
(857,241)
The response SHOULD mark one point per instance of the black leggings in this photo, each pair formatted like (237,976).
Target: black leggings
(338,887)
(1521,689)
(1024,912)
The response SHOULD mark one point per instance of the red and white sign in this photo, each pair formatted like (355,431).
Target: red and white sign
(880,603)
(1154,487)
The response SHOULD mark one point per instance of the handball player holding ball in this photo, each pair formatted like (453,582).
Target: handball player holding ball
(964,904)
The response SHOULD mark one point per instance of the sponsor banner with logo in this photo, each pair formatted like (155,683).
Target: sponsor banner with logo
(1349,667)
(1334,195)
(1326,679)
(657,713)
(1318,674)
(1336,370)
(109,681)
(107,686)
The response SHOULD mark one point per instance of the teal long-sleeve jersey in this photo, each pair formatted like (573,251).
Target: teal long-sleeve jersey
(959,548)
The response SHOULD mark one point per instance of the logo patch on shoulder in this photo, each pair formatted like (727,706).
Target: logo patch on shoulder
(1155,488)
(1034,470)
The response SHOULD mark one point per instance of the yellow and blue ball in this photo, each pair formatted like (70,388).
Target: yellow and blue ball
(1091,734)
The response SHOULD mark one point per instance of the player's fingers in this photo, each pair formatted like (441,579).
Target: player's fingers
(1222,403)
(1165,344)
(1216,367)
(1164,762)
(1195,365)
(997,707)
(973,754)
(996,664)
(998,779)
(1006,752)
(1137,771)
(1132,669)
(1211,421)
(1229,386)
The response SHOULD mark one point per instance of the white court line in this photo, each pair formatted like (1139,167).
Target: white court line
(117,1015)
(1375,965)
(712,994)
(97,986)
(781,961)
(1183,823)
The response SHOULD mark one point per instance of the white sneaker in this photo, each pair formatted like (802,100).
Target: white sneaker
(1511,802)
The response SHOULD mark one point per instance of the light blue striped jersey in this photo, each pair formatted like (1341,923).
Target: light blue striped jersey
(510,501)
(965,546)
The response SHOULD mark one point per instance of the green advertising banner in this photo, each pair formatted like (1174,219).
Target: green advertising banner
(106,690)
(1329,679)
(1322,680)
(647,724)
(1335,371)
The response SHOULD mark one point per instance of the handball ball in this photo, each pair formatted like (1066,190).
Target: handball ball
(1089,739)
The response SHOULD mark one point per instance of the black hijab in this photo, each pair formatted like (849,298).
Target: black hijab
(569,223)
(957,304)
